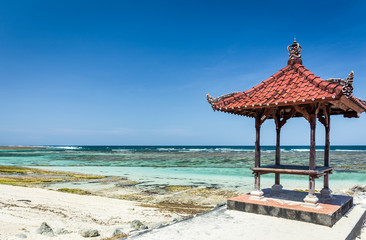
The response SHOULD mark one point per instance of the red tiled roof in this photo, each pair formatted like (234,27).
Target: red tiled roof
(292,85)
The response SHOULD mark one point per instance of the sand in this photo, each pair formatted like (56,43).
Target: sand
(23,209)
(70,211)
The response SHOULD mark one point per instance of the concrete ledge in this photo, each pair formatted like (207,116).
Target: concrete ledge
(356,213)
(234,225)
(289,204)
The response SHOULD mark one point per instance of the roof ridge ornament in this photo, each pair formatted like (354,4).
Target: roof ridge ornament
(295,53)
(348,88)
(347,84)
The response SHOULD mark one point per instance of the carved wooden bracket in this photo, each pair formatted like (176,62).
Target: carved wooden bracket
(324,118)
(304,113)
(286,116)
(309,112)
(262,115)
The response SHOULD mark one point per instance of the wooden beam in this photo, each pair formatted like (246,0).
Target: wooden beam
(351,115)
(340,105)
(288,171)
(349,103)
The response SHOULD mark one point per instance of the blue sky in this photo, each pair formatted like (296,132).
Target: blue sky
(137,72)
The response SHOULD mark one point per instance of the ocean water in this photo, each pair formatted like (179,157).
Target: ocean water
(223,166)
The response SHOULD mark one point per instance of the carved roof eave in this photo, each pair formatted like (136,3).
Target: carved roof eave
(343,102)
(338,108)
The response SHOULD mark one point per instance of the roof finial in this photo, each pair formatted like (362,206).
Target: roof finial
(295,53)
(348,88)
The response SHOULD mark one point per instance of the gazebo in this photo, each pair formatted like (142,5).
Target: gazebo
(293,92)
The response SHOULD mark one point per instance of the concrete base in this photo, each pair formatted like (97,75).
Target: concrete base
(277,188)
(290,205)
(311,201)
(256,195)
(326,194)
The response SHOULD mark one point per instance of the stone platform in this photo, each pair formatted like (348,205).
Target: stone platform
(289,204)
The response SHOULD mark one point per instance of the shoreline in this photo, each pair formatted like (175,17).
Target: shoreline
(75,201)
(22,148)
(35,196)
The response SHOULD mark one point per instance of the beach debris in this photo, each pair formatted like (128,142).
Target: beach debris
(158,225)
(126,183)
(62,231)
(221,204)
(144,227)
(177,219)
(359,188)
(136,224)
(89,233)
(359,194)
(21,235)
(24,200)
(118,232)
(45,229)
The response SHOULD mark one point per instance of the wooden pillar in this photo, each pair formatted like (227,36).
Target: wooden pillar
(312,156)
(311,185)
(279,123)
(327,140)
(257,181)
(278,152)
(311,199)
(326,193)
(257,141)
(326,181)
(257,163)
(257,193)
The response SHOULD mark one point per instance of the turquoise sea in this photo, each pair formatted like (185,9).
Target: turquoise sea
(221,166)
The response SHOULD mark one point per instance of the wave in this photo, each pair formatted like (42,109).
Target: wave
(348,150)
(222,150)
(167,149)
(301,150)
(121,150)
(197,150)
(67,147)
(233,150)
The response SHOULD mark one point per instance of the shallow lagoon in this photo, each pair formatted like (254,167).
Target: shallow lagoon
(218,166)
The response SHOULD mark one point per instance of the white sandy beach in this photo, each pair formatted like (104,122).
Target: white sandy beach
(70,211)
(24,209)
